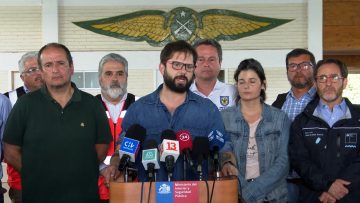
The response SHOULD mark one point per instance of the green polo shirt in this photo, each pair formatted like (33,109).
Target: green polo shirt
(59,160)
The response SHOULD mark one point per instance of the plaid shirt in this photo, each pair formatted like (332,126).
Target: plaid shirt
(293,106)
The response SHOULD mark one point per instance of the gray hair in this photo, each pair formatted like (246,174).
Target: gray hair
(24,58)
(113,57)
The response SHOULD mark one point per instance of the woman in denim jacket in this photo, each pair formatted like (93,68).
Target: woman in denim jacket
(259,134)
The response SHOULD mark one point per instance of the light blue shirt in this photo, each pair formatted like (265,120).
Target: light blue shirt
(293,106)
(5,108)
(331,117)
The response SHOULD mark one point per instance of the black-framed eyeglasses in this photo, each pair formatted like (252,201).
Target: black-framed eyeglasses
(334,78)
(31,71)
(302,66)
(176,65)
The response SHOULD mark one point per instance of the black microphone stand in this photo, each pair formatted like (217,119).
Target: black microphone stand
(185,167)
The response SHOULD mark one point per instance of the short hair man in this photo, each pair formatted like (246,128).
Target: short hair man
(206,83)
(30,74)
(299,70)
(174,106)
(5,108)
(57,135)
(113,75)
(324,143)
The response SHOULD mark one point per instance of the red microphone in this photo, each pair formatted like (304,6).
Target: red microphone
(185,144)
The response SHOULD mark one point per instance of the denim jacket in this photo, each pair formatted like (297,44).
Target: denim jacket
(197,115)
(272,136)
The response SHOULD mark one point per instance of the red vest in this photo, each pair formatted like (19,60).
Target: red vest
(14,178)
(115,131)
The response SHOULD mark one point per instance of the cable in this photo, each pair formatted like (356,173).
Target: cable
(207,190)
(212,190)
(149,192)
(141,192)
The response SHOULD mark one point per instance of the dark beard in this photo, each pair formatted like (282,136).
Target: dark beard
(170,83)
(299,85)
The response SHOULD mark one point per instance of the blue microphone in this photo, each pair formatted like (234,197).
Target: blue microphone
(130,145)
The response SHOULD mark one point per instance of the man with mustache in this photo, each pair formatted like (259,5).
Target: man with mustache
(299,69)
(325,140)
(113,74)
(173,106)
(31,75)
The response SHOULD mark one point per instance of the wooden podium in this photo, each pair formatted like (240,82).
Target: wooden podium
(225,191)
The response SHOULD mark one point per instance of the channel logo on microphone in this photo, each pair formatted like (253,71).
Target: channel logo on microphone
(130,145)
(215,134)
(184,136)
(149,154)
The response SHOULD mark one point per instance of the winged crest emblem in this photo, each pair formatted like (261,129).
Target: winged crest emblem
(158,27)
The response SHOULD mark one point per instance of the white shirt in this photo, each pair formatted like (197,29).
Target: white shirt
(223,95)
(114,109)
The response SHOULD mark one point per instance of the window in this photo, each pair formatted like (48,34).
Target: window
(86,80)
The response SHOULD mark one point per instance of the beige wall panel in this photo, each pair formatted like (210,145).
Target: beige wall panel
(20,28)
(276,82)
(141,81)
(290,35)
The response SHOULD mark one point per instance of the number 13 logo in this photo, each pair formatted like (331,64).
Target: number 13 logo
(171,146)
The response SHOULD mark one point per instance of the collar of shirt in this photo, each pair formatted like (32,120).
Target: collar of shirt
(74,98)
(331,117)
(308,95)
(218,86)
(26,89)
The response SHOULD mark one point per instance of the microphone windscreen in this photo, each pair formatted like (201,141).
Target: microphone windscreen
(202,147)
(150,144)
(185,141)
(136,132)
(168,134)
(216,140)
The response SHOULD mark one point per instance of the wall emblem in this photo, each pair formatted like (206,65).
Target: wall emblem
(159,27)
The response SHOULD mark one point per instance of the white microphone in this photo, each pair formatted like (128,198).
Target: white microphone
(169,151)
(150,158)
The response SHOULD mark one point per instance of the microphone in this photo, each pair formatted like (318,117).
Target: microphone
(185,143)
(169,151)
(130,145)
(150,158)
(201,152)
(216,140)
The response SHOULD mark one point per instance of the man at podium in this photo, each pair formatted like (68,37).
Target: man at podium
(173,106)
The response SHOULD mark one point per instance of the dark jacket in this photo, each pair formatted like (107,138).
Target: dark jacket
(320,154)
(280,100)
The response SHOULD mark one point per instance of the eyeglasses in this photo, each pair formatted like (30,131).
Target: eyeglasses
(31,71)
(334,78)
(292,67)
(176,65)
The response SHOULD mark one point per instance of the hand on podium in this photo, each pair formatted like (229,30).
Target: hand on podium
(228,164)
(229,169)
(111,173)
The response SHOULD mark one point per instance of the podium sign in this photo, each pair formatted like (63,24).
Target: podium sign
(177,192)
